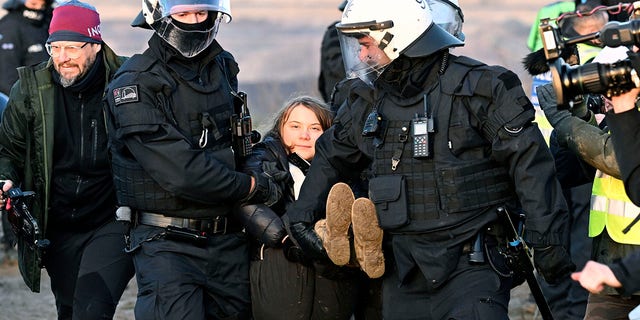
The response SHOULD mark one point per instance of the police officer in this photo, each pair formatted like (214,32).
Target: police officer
(169,119)
(448,140)
(331,66)
(23,32)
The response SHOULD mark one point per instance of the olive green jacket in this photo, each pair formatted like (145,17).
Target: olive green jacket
(26,145)
(585,138)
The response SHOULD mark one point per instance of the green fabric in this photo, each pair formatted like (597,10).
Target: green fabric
(551,11)
(26,147)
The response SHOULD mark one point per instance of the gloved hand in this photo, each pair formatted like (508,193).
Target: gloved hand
(547,100)
(293,253)
(553,263)
(265,190)
(581,110)
(262,224)
(307,239)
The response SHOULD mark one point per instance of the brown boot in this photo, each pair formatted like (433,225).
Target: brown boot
(321,229)
(367,237)
(336,239)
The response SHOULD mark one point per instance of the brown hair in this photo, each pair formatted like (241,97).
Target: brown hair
(319,108)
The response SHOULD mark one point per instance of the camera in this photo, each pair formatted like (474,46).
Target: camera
(597,78)
(607,79)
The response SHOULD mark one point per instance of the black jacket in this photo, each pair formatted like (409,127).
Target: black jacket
(625,134)
(169,121)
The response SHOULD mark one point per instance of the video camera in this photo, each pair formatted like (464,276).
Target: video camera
(600,78)
(24,225)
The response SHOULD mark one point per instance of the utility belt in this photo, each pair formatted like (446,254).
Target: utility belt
(194,231)
(211,226)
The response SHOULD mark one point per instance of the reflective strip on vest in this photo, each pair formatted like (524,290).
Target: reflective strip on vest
(611,208)
(544,125)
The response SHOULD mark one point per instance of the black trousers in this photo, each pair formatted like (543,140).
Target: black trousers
(181,280)
(281,289)
(568,299)
(472,292)
(89,271)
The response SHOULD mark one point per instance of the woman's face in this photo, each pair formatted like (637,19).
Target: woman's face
(300,132)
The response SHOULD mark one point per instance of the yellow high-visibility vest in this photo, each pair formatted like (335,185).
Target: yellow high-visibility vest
(612,209)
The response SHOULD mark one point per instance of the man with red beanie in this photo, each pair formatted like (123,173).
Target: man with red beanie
(53,141)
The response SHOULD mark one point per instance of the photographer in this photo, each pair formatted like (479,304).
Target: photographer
(608,206)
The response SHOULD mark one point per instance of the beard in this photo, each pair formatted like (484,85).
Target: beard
(84,68)
(67,82)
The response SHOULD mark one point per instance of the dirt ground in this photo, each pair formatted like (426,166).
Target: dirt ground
(276,43)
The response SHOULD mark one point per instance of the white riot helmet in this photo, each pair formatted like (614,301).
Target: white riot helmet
(448,15)
(394,27)
(188,41)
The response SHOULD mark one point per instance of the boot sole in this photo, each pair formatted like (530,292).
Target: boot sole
(367,238)
(338,213)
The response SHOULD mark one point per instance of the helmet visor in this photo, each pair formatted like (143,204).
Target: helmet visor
(169,7)
(447,16)
(363,56)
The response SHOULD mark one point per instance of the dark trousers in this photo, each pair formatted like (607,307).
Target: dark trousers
(610,307)
(281,289)
(472,292)
(89,271)
(568,299)
(181,280)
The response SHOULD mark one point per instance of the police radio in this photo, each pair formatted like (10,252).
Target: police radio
(243,135)
(421,130)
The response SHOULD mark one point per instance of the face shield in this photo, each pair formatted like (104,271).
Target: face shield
(448,16)
(363,55)
(188,39)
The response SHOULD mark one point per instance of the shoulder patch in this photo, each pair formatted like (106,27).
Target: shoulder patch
(126,94)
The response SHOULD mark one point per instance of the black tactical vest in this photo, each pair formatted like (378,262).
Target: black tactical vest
(202,114)
(458,182)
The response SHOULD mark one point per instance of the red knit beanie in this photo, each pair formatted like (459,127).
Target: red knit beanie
(75,21)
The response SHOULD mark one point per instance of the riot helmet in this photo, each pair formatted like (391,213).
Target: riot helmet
(187,39)
(448,15)
(373,33)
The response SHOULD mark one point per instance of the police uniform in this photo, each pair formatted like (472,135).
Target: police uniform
(169,119)
(484,152)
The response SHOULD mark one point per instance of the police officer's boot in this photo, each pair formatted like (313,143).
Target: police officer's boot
(367,237)
(338,211)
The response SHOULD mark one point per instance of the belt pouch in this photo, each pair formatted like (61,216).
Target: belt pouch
(389,194)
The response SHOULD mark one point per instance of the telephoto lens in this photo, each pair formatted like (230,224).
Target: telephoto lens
(607,79)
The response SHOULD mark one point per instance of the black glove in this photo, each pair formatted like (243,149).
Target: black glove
(262,224)
(265,190)
(293,253)
(553,263)
(307,239)
(547,100)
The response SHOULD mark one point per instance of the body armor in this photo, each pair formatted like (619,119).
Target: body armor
(204,120)
(459,181)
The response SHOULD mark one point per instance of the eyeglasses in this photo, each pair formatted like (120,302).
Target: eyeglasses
(73,52)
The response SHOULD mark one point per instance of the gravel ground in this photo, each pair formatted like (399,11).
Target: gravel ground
(276,43)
